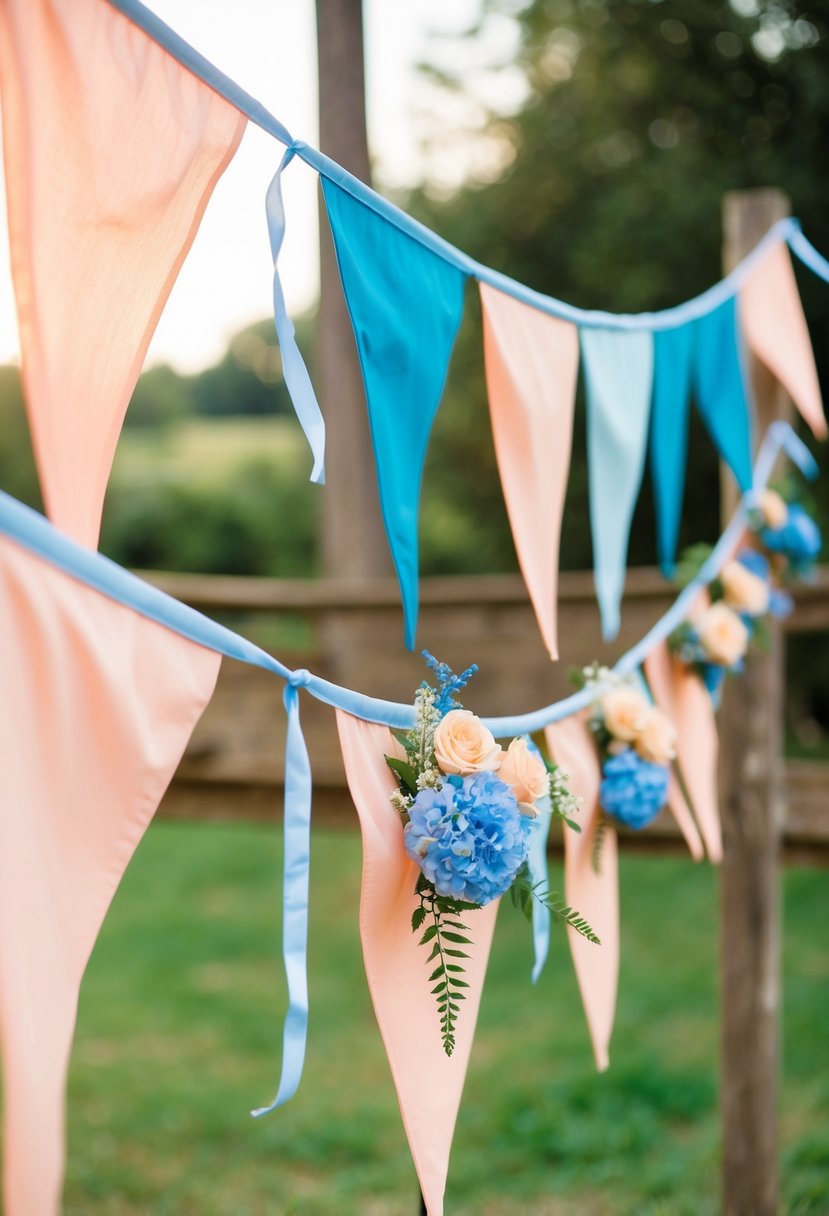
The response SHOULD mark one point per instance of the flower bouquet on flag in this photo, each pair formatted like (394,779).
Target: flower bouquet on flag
(636,743)
(469,809)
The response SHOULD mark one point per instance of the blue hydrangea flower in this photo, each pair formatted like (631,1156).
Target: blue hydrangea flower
(755,562)
(469,837)
(633,790)
(799,539)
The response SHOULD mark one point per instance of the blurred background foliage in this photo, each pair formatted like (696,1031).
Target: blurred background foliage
(582,147)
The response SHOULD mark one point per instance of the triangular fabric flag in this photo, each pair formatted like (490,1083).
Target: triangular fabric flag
(112,151)
(98,705)
(659,681)
(672,352)
(428,1083)
(680,693)
(618,370)
(532,364)
(721,388)
(775,329)
(406,304)
(592,890)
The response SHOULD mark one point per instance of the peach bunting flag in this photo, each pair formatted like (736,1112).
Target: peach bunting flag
(775,329)
(681,694)
(593,891)
(112,150)
(98,705)
(428,1083)
(532,363)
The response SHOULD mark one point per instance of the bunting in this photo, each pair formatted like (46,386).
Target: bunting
(532,362)
(775,329)
(111,151)
(719,384)
(669,435)
(618,373)
(428,1084)
(406,305)
(98,705)
(590,885)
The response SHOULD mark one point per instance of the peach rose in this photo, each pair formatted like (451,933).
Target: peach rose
(524,771)
(723,635)
(744,591)
(463,745)
(623,710)
(656,740)
(773,509)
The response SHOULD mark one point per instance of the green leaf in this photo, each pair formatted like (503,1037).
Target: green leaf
(418,917)
(457,937)
(428,935)
(437,971)
(455,953)
(404,741)
(405,774)
(435,952)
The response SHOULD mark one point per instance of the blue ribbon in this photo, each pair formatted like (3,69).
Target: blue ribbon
(296,870)
(297,380)
(539,877)
(672,354)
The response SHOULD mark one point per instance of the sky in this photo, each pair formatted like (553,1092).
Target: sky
(269,47)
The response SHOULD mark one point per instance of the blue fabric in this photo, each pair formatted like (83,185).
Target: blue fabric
(297,380)
(720,388)
(539,877)
(406,305)
(296,870)
(669,435)
(618,370)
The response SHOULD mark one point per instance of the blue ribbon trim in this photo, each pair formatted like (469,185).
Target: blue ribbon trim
(539,877)
(297,380)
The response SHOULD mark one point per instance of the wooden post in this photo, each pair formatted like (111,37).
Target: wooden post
(751,807)
(353,541)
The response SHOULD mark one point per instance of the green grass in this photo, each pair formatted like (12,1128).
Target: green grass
(203,451)
(178,1038)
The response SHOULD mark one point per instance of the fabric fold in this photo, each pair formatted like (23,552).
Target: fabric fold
(672,353)
(775,329)
(428,1083)
(108,171)
(594,893)
(618,373)
(532,363)
(98,705)
(721,388)
(681,694)
(405,304)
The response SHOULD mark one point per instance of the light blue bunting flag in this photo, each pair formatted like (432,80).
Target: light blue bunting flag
(618,369)
(406,305)
(672,353)
(720,387)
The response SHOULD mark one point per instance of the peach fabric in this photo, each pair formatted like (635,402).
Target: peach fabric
(532,363)
(112,150)
(595,896)
(98,704)
(428,1083)
(775,329)
(660,675)
(681,694)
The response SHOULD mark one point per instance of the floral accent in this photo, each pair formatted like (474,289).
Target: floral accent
(773,508)
(468,810)
(744,590)
(469,837)
(632,789)
(525,771)
(463,745)
(624,711)
(656,741)
(798,540)
(722,636)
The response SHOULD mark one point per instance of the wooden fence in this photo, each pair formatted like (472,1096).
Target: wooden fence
(233,767)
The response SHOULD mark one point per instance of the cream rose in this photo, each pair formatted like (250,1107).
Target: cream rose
(463,745)
(623,710)
(656,740)
(773,509)
(524,771)
(723,635)
(744,591)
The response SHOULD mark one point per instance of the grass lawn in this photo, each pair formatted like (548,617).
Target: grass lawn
(178,1038)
